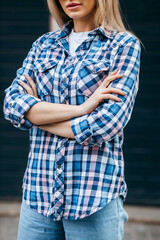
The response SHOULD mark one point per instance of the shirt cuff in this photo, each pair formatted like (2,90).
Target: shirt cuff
(19,108)
(82,131)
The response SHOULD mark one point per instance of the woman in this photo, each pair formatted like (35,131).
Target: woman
(75,93)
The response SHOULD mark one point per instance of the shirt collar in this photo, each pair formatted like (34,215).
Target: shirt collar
(67,27)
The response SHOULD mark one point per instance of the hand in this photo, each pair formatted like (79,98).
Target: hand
(101,93)
(30,90)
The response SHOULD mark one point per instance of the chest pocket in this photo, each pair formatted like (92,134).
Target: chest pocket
(90,75)
(44,70)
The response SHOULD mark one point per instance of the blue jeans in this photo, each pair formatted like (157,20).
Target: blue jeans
(105,224)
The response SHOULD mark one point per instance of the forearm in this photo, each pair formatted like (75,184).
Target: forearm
(62,129)
(46,113)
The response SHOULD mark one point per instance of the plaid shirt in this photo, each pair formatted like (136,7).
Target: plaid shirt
(73,178)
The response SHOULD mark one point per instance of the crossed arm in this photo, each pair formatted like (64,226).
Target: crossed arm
(44,113)
(89,123)
(55,118)
(62,129)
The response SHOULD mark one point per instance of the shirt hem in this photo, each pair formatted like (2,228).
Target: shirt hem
(46,213)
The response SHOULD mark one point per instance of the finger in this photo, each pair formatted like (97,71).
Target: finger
(26,87)
(109,79)
(114,72)
(113,90)
(112,97)
(32,83)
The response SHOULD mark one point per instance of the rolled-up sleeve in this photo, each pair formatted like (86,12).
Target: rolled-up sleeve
(17,102)
(110,117)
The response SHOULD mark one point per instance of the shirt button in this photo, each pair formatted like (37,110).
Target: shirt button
(64,80)
(64,102)
(58,166)
(59,218)
(22,121)
(61,144)
(11,104)
(17,125)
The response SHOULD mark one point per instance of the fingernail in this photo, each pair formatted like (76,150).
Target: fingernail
(124,93)
(120,100)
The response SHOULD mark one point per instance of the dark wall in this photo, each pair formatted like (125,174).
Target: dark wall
(21,23)
(142,144)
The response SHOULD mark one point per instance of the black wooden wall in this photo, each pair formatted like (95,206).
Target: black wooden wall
(21,23)
(142,144)
(24,21)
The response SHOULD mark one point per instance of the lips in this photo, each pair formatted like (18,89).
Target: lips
(73,4)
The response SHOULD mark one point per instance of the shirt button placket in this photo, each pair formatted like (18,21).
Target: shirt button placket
(64,89)
(59,182)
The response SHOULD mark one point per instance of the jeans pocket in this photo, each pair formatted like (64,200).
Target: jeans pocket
(121,211)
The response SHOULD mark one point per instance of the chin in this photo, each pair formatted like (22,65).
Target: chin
(74,16)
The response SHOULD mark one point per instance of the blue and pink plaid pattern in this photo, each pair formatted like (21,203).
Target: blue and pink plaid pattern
(73,178)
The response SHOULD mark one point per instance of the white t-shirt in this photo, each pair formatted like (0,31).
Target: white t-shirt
(75,39)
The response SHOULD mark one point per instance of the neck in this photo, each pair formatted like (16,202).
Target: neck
(83,25)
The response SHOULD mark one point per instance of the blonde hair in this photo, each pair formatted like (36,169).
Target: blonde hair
(107,14)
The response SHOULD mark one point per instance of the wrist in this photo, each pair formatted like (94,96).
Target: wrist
(82,109)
